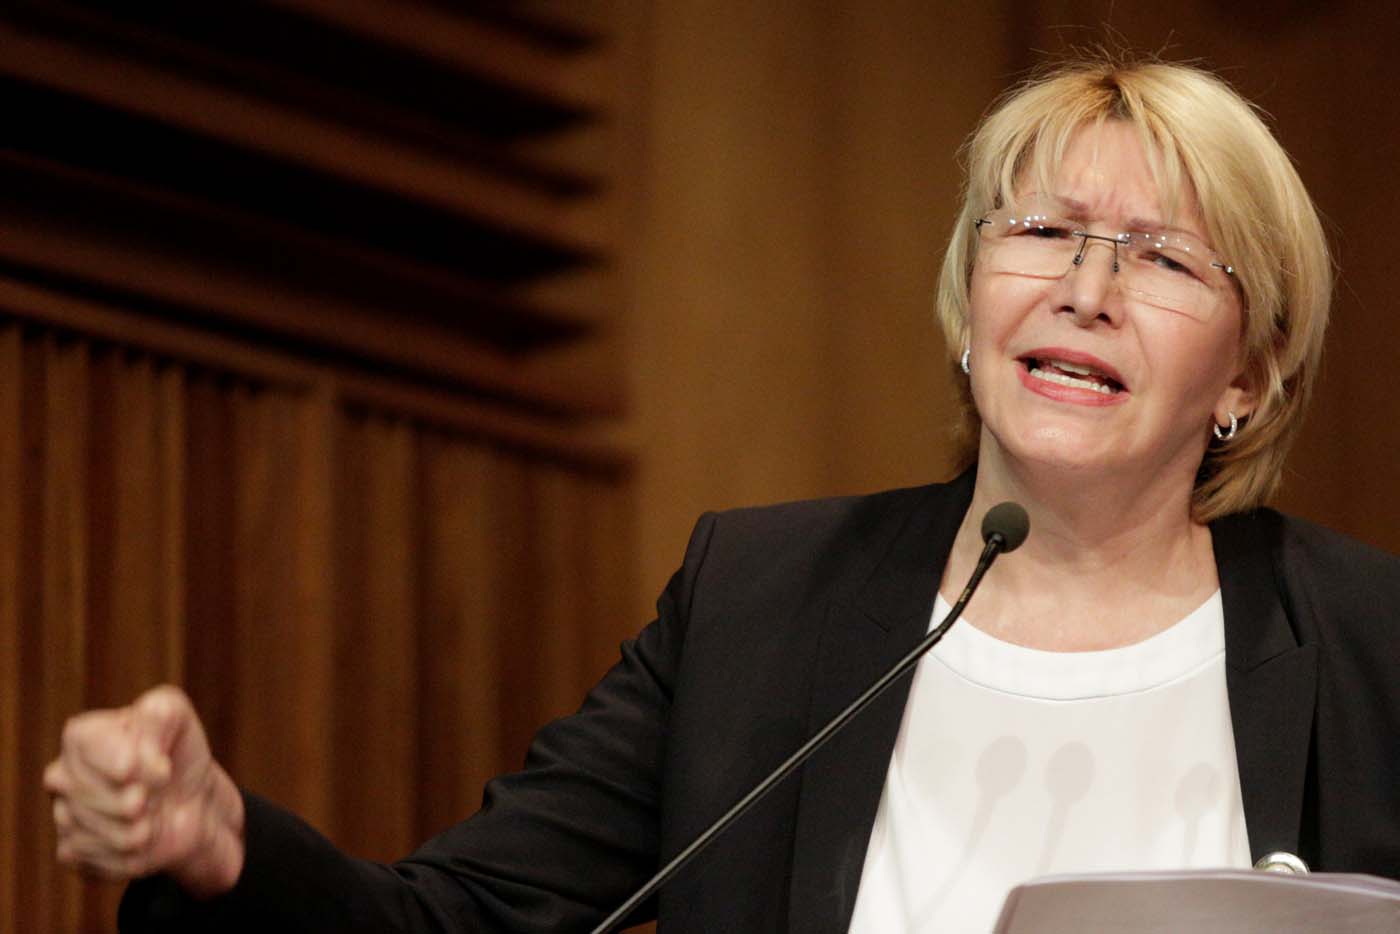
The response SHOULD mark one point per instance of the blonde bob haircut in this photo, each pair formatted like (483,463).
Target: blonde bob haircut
(1202,139)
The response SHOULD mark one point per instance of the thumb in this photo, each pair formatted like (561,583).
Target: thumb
(163,720)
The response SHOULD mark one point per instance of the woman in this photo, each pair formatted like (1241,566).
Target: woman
(1163,676)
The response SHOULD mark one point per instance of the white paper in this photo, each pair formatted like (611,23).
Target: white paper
(1203,902)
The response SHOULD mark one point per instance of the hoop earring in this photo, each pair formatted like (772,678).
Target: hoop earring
(967,353)
(1227,435)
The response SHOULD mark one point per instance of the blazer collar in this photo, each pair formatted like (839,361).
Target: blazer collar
(1271,679)
(841,785)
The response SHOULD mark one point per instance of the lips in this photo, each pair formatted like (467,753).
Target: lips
(1073,369)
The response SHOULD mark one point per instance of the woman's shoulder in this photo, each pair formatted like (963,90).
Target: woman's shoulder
(818,541)
(1334,578)
(847,521)
(1305,547)
(809,515)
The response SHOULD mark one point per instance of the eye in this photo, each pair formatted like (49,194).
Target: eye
(1162,261)
(1041,229)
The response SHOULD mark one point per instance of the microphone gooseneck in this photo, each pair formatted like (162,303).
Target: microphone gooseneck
(1004,528)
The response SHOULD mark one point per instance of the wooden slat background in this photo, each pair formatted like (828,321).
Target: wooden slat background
(308,351)
(16,775)
(372,611)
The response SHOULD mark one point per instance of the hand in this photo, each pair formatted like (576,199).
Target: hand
(136,791)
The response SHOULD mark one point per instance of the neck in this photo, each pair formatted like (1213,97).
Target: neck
(1108,563)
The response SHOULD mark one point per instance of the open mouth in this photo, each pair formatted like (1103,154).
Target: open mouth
(1072,374)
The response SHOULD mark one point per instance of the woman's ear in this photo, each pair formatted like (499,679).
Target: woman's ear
(1238,399)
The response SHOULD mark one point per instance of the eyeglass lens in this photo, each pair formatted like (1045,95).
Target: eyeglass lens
(1168,269)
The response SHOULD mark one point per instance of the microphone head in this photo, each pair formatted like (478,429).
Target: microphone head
(1009,521)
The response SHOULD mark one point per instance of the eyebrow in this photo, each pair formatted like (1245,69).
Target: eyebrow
(1079,211)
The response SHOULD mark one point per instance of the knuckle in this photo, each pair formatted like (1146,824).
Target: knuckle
(72,732)
(132,841)
(132,802)
(165,699)
(56,776)
(121,757)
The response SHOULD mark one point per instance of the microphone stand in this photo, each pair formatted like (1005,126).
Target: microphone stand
(996,543)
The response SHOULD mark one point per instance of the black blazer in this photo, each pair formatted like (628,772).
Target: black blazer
(778,617)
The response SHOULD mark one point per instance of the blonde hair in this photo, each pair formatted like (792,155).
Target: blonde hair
(1199,135)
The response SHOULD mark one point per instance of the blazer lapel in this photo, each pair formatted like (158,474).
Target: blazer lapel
(1272,683)
(841,785)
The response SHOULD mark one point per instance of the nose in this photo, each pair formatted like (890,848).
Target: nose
(1087,290)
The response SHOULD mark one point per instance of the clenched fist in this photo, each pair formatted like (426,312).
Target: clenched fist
(136,791)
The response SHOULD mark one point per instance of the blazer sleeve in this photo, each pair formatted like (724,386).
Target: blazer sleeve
(555,846)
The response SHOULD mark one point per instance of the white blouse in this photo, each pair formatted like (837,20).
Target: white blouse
(1013,763)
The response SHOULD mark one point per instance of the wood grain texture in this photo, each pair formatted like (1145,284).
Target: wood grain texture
(210,583)
(541,431)
(376,639)
(16,770)
(341,589)
(313,430)
(608,575)
(555,636)
(61,563)
(475,47)
(459,675)
(329,176)
(316,581)
(127,634)
(172,523)
(229,296)
(282,695)
(516,597)
(317,144)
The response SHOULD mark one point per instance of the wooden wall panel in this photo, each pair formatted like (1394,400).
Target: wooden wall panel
(560,559)
(136,522)
(372,609)
(608,578)
(376,643)
(209,581)
(801,181)
(313,617)
(134,624)
(516,599)
(302,375)
(187,155)
(61,563)
(171,525)
(282,710)
(459,677)
(15,778)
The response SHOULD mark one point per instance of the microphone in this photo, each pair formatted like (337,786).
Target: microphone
(1004,528)
(1008,520)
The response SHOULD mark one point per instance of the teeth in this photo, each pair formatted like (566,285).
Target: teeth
(1072,367)
(1063,380)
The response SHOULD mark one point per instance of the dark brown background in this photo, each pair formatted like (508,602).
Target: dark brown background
(363,364)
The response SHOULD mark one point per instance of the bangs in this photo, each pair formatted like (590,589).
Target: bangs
(1023,144)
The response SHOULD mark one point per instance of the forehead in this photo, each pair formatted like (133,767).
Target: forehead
(1106,171)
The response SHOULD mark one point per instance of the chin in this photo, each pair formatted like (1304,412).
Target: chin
(1065,449)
